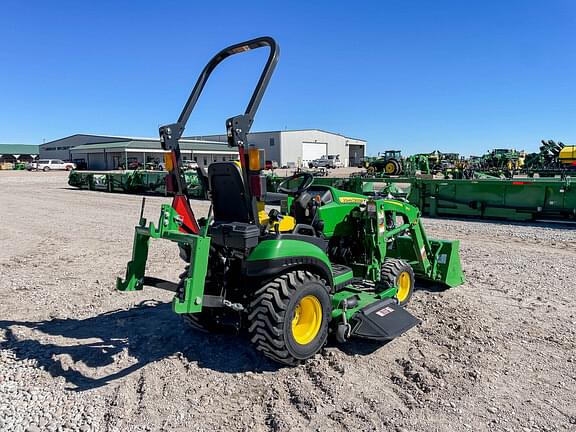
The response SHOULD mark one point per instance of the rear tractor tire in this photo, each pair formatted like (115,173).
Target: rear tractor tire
(289,317)
(398,273)
(392,167)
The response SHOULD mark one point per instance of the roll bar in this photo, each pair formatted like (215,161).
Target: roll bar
(237,127)
(228,52)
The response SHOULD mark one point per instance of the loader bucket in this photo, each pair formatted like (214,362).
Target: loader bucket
(448,267)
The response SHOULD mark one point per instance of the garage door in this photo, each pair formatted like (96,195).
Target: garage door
(311,151)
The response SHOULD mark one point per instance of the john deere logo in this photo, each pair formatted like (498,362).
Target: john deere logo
(348,200)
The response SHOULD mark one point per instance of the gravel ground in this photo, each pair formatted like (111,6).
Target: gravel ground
(496,354)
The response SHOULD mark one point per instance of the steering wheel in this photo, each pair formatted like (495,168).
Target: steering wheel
(306,181)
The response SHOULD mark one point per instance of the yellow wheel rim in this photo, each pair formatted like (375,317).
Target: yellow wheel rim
(390,168)
(404,286)
(307,319)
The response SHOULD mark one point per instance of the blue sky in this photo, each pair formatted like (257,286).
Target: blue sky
(463,76)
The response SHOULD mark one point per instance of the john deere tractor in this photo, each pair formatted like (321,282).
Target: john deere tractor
(324,262)
(388,162)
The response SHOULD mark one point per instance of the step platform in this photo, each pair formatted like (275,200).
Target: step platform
(382,320)
(340,270)
(341,274)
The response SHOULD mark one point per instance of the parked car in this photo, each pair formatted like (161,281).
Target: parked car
(327,161)
(133,164)
(270,165)
(189,164)
(50,164)
(81,164)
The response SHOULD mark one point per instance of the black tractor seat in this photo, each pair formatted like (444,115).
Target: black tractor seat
(233,220)
(228,193)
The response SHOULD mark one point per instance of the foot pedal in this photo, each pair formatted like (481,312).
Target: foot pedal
(382,320)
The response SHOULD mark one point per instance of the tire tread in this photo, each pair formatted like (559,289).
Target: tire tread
(268,314)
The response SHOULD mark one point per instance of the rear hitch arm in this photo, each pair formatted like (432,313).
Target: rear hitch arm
(191,298)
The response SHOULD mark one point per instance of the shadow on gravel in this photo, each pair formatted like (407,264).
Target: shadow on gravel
(147,333)
(361,347)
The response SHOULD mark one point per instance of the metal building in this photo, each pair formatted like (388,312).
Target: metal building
(290,148)
(60,148)
(114,155)
(100,152)
(293,148)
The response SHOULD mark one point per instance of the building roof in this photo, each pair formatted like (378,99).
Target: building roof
(21,149)
(283,131)
(199,142)
(119,144)
(319,130)
(154,145)
(94,139)
(87,139)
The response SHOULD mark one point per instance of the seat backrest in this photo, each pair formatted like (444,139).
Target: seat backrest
(228,193)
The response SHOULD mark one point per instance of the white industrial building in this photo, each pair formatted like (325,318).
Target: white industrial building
(295,148)
(291,148)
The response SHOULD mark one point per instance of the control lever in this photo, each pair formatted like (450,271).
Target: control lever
(273,217)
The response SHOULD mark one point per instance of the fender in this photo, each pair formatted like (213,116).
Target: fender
(272,256)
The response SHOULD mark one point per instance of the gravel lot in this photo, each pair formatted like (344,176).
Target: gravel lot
(496,354)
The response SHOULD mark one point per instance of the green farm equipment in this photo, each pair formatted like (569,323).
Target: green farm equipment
(484,197)
(388,162)
(554,158)
(417,164)
(134,181)
(325,261)
(547,158)
(499,162)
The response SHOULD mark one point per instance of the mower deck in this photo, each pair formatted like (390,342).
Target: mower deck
(382,320)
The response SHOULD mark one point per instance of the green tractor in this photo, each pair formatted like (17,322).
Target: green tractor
(388,162)
(323,262)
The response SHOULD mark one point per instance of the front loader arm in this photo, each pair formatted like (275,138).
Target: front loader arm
(435,260)
(413,225)
(422,247)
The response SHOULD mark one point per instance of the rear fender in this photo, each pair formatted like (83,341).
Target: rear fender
(273,257)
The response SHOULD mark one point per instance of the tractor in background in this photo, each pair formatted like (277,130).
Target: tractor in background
(389,162)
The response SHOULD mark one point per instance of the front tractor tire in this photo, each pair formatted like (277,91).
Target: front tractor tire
(398,273)
(289,317)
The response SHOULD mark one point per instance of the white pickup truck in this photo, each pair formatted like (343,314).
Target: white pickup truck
(327,161)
